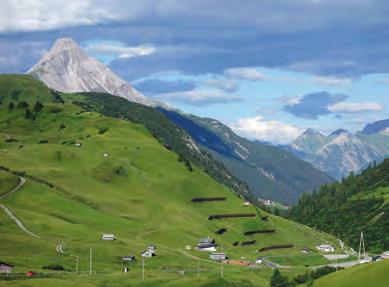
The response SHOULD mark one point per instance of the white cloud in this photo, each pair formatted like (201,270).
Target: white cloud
(251,74)
(36,15)
(332,81)
(266,130)
(115,50)
(225,84)
(344,107)
(199,97)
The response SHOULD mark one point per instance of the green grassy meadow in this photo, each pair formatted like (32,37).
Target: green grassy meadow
(140,192)
(362,275)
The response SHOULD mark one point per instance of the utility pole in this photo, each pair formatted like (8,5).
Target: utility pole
(198,270)
(221,265)
(90,261)
(143,268)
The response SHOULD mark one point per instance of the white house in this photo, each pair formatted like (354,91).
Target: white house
(326,248)
(258,260)
(5,268)
(108,237)
(147,254)
(206,247)
(218,256)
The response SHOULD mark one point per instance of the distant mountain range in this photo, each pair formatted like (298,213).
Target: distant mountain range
(342,152)
(270,172)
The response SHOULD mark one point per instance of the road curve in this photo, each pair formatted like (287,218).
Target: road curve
(19,186)
(9,212)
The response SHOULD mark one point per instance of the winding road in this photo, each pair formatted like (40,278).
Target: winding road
(18,222)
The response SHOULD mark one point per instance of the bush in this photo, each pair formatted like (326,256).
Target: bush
(43,141)
(62,126)
(55,110)
(11,106)
(103,130)
(37,107)
(22,105)
(53,267)
(29,115)
(11,140)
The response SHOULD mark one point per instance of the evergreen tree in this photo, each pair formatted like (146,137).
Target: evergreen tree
(22,105)
(279,280)
(11,106)
(38,106)
(29,115)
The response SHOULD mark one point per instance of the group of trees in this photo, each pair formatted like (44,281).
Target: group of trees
(280,280)
(28,114)
(345,209)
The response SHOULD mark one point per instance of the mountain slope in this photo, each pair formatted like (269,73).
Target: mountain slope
(270,172)
(341,152)
(88,174)
(358,203)
(375,127)
(67,68)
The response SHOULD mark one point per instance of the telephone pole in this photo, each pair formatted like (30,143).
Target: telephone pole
(90,261)
(143,268)
(198,270)
(221,266)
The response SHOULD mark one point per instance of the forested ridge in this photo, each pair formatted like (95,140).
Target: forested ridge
(358,203)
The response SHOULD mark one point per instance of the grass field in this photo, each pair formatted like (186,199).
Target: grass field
(141,193)
(375,274)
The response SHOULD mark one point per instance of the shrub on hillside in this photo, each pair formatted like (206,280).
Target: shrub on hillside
(62,126)
(22,105)
(45,141)
(11,106)
(103,130)
(37,107)
(28,115)
(53,267)
(55,110)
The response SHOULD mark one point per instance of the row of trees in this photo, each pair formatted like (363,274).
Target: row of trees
(280,280)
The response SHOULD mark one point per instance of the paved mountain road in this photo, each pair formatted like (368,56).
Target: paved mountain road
(9,212)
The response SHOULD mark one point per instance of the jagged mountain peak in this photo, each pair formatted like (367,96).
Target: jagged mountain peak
(338,132)
(67,68)
(64,44)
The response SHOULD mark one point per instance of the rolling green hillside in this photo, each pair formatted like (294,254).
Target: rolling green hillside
(87,174)
(271,172)
(358,203)
(359,276)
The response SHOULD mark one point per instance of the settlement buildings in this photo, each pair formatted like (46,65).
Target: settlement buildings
(108,237)
(206,244)
(5,268)
(326,248)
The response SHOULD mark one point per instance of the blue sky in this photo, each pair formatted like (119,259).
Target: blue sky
(268,69)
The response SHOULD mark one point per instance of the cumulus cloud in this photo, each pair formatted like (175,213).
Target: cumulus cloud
(266,130)
(225,84)
(344,107)
(111,50)
(37,15)
(251,74)
(200,98)
(313,105)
